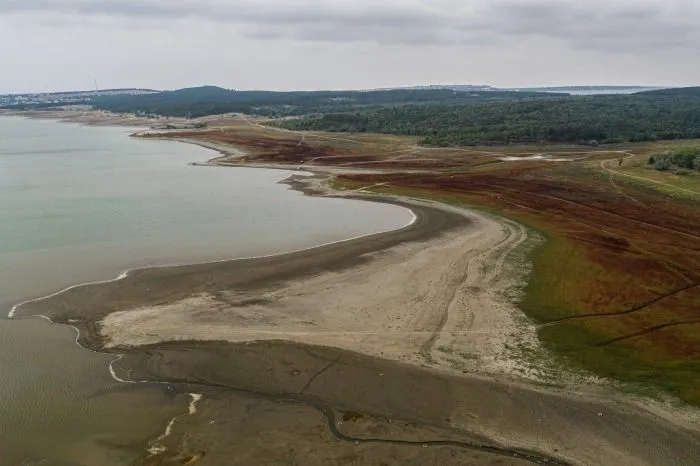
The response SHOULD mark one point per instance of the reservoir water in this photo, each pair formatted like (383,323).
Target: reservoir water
(80,204)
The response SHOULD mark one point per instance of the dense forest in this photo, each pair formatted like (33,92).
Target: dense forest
(646,116)
(210,100)
(201,101)
(442,117)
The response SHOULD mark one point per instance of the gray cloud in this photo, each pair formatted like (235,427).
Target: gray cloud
(596,24)
(312,44)
(268,13)
(606,26)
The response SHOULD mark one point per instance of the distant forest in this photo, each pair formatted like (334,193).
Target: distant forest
(442,117)
(202,101)
(210,100)
(648,116)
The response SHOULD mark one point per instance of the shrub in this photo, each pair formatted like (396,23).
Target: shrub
(687,158)
(662,164)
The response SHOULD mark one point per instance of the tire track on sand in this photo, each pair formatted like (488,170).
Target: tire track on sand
(473,276)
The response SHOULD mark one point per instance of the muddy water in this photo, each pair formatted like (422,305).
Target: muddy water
(80,204)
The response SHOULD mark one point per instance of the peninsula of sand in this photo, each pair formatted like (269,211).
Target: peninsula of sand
(404,347)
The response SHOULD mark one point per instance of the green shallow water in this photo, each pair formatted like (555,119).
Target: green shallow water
(80,204)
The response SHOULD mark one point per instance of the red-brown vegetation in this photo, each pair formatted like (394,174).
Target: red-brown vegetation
(617,288)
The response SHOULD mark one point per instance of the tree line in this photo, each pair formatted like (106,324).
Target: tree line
(648,116)
(212,100)
(443,117)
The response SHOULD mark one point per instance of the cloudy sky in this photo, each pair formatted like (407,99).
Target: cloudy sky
(340,44)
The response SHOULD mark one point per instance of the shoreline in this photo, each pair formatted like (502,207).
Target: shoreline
(213,162)
(15,312)
(126,273)
(85,117)
(136,351)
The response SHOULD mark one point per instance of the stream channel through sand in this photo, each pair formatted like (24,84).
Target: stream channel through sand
(81,204)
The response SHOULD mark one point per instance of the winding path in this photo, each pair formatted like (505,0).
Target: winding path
(647,180)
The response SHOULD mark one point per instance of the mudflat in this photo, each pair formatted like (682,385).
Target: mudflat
(383,336)
(285,403)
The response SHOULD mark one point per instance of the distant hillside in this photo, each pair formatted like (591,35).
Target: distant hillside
(211,100)
(679,92)
(571,90)
(454,87)
(592,90)
(589,88)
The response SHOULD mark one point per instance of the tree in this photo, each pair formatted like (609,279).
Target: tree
(662,164)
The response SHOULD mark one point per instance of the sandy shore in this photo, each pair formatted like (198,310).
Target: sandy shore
(89,117)
(394,348)
(425,300)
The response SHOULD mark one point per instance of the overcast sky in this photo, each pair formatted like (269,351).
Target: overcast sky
(48,45)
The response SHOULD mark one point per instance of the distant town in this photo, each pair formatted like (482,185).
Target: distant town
(65,98)
(84,97)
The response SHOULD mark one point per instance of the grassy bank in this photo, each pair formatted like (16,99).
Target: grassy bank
(604,291)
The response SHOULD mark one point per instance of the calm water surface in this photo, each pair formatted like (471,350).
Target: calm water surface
(80,204)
